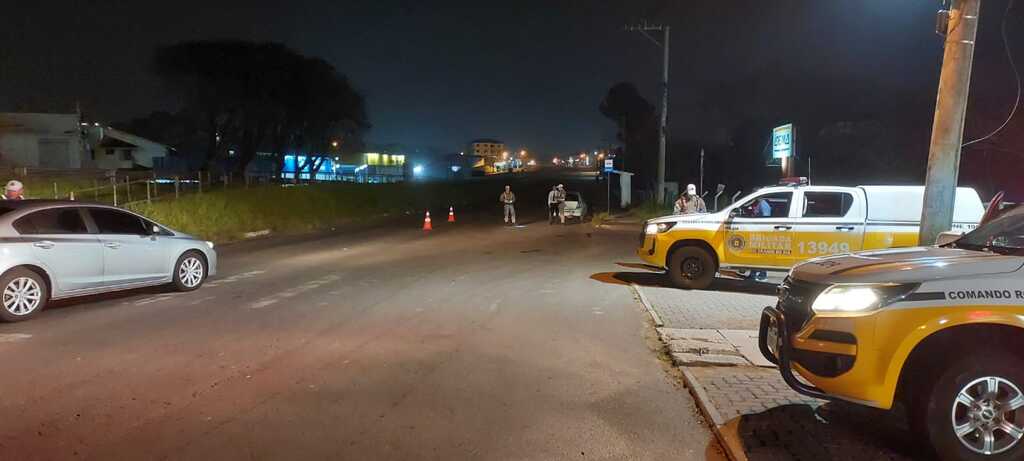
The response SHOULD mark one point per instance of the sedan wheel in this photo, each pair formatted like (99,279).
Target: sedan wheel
(190,272)
(24,294)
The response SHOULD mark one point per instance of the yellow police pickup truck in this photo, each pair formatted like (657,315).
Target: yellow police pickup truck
(776,228)
(940,329)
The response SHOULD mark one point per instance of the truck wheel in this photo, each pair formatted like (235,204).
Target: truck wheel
(691,268)
(975,410)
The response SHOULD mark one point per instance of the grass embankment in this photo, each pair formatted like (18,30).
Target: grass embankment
(226,215)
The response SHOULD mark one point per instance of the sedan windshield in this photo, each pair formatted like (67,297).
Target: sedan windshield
(1004,234)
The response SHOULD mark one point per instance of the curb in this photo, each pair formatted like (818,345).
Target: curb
(647,305)
(724,431)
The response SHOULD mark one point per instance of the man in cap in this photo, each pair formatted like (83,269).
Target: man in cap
(552,205)
(560,202)
(690,202)
(509,199)
(14,190)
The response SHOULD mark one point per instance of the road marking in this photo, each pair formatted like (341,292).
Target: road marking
(13,337)
(235,278)
(202,300)
(155,299)
(311,285)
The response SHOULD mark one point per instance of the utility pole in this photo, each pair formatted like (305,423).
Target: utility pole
(948,127)
(643,28)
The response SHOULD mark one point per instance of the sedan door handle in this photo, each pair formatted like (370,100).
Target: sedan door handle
(783,227)
(45,244)
(112,245)
(844,228)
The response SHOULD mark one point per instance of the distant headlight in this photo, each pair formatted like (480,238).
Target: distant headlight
(659,228)
(856,299)
(209,244)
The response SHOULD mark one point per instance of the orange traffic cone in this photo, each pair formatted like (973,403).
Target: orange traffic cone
(426,222)
(451,214)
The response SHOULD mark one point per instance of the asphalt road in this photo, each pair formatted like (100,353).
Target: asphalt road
(475,341)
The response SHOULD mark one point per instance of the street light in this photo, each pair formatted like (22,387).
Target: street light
(334,144)
(522,153)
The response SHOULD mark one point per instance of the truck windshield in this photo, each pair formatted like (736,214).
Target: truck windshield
(1004,234)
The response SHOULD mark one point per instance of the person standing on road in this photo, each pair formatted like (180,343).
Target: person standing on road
(560,202)
(690,203)
(509,199)
(552,205)
(14,190)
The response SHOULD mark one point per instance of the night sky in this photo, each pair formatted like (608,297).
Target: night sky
(528,72)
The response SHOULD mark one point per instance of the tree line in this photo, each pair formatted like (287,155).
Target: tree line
(241,97)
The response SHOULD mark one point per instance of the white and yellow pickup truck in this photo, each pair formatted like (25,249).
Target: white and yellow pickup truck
(776,228)
(940,329)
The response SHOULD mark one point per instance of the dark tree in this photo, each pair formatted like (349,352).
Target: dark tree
(263,95)
(638,130)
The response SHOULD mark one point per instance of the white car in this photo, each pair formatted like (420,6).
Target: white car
(53,249)
(575,206)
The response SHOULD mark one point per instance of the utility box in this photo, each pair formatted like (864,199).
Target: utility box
(625,189)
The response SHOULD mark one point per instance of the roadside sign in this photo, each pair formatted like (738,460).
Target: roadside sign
(609,165)
(783,142)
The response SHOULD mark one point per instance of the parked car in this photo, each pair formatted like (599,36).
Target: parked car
(776,228)
(51,249)
(575,206)
(940,329)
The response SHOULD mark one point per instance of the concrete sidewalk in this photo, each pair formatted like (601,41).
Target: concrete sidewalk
(711,336)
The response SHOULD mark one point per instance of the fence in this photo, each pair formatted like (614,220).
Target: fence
(123,188)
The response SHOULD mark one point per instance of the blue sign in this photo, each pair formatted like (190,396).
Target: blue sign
(609,165)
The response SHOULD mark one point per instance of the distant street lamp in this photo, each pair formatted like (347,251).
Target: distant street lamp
(522,153)
(334,144)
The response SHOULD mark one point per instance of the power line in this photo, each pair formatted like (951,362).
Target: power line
(1016,73)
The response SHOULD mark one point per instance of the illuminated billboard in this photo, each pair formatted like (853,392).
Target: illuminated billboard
(783,142)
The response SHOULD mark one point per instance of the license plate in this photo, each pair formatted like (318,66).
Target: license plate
(772,338)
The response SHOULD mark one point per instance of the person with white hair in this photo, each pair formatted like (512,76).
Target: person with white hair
(14,190)
(689,202)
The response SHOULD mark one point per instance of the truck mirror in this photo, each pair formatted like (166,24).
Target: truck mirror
(945,238)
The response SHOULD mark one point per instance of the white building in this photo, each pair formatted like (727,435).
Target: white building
(41,140)
(63,141)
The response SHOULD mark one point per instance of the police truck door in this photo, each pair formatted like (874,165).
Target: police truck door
(759,234)
(831,222)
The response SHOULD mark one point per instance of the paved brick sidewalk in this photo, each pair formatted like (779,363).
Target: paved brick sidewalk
(754,411)
(737,391)
(729,304)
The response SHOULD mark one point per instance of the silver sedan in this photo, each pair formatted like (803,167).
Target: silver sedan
(51,249)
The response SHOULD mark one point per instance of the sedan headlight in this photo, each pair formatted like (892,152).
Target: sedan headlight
(209,244)
(857,299)
(659,228)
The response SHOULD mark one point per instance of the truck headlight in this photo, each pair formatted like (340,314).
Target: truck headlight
(855,299)
(659,228)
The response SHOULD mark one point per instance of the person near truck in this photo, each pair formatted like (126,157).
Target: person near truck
(14,190)
(761,209)
(560,202)
(509,199)
(552,205)
(689,202)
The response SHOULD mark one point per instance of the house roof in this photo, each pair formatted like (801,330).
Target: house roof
(486,140)
(110,141)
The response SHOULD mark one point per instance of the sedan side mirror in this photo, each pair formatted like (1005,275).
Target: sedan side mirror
(735,212)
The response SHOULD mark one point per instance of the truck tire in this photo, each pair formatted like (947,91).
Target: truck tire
(691,268)
(973,380)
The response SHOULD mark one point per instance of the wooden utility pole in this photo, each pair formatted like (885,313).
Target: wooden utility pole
(662,130)
(948,127)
